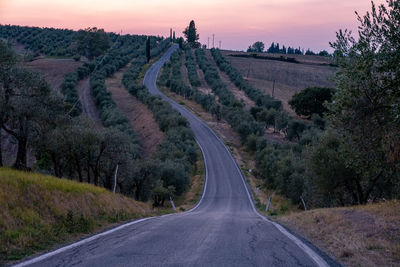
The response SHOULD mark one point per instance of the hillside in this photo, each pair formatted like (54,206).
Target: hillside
(289,77)
(365,235)
(39,211)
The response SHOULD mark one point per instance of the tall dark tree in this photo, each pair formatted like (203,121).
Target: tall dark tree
(148,49)
(191,35)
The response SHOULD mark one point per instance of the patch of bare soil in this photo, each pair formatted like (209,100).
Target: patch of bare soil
(367,235)
(53,69)
(87,101)
(239,94)
(141,118)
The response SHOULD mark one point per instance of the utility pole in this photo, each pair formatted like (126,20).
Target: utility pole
(213,40)
(219,44)
(115,178)
(248,72)
(208,42)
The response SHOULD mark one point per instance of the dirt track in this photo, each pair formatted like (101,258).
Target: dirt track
(87,101)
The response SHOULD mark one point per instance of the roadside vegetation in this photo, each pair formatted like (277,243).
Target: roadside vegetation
(68,144)
(38,212)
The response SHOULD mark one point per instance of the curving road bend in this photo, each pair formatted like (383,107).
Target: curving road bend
(224,229)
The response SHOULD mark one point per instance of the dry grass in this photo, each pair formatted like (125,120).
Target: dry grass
(290,78)
(39,211)
(367,235)
(140,117)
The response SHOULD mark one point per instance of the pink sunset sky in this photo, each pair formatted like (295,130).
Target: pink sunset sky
(236,23)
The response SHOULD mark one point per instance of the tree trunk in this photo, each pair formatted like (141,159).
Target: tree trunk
(88,169)
(79,170)
(96,175)
(20,161)
(1,148)
(56,166)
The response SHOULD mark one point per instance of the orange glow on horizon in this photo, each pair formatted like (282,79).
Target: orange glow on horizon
(237,23)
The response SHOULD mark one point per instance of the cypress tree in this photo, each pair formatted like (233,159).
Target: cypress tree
(148,49)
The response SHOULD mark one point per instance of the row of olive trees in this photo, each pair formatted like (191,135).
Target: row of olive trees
(37,117)
(191,68)
(261,99)
(167,172)
(47,41)
(171,77)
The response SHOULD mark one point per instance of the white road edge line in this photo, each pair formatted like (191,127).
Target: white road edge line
(94,237)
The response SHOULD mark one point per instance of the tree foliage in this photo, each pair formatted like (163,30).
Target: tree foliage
(257,47)
(311,101)
(366,106)
(92,42)
(191,35)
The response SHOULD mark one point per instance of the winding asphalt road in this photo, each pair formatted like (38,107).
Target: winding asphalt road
(224,229)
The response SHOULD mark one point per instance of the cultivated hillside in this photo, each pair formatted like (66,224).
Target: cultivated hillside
(290,77)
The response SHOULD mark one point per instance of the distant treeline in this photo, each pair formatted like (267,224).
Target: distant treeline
(275,48)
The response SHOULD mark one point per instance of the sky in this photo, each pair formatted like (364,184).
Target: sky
(310,24)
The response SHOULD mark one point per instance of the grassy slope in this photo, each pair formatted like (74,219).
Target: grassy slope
(367,235)
(38,211)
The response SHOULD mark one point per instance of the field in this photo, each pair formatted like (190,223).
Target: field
(289,78)
(366,235)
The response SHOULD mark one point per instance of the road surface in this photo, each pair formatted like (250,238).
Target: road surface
(222,230)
